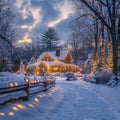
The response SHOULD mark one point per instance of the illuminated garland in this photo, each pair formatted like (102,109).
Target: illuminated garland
(110,57)
(103,54)
(95,62)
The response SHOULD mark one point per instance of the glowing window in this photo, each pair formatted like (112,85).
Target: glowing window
(55,68)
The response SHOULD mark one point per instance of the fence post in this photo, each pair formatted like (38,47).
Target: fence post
(45,83)
(27,87)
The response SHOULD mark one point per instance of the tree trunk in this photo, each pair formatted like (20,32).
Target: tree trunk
(115,55)
(114,39)
(118,45)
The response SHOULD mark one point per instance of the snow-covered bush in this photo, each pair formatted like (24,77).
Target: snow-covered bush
(89,78)
(7,77)
(103,75)
(114,81)
(70,76)
(78,74)
(29,71)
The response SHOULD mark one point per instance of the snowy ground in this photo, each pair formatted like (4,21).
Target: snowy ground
(68,100)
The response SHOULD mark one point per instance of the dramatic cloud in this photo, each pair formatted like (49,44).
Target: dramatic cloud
(35,16)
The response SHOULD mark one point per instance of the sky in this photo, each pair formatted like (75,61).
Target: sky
(33,17)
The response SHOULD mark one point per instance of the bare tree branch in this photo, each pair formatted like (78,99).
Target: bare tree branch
(5,39)
(96,13)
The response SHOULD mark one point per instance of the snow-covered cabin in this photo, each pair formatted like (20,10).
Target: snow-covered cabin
(54,61)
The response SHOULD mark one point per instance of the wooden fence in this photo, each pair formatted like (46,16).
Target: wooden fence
(26,88)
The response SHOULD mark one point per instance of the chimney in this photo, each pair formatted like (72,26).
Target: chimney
(57,52)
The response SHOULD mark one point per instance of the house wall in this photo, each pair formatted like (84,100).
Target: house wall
(51,69)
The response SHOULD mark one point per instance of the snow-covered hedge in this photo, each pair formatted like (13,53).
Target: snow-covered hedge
(114,81)
(78,74)
(103,75)
(89,78)
(70,76)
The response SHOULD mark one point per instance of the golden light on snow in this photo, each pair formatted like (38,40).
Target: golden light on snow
(26,39)
(36,99)
(30,105)
(2,114)
(40,96)
(15,108)
(20,106)
(16,84)
(11,113)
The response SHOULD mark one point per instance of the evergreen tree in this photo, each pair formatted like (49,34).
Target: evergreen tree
(50,40)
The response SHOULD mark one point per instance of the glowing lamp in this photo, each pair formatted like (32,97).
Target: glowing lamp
(36,100)
(27,80)
(15,108)
(2,114)
(11,85)
(16,84)
(11,114)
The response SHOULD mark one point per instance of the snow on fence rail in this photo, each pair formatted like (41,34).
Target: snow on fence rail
(17,92)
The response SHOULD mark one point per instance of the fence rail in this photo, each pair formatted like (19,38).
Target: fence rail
(25,88)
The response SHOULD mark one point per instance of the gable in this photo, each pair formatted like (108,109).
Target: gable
(47,57)
(68,58)
(52,54)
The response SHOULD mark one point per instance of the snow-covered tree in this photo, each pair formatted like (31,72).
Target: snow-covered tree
(111,21)
(50,40)
(32,60)
(7,33)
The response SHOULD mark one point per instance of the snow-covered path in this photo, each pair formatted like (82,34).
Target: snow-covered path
(79,104)
(69,102)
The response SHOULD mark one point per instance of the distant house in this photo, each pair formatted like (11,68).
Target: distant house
(54,61)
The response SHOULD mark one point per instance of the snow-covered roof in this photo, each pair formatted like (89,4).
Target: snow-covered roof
(34,64)
(53,54)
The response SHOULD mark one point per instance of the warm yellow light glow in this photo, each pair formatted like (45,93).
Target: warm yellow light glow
(30,105)
(81,69)
(25,39)
(16,84)
(110,59)
(20,106)
(55,68)
(36,99)
(11,114)
(27,80)
(15,108)
(11,85)
(37,72)
(2,114)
